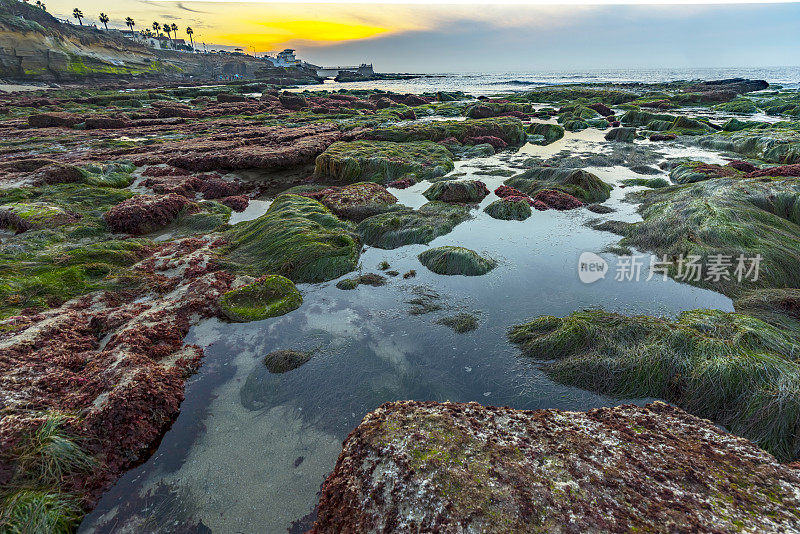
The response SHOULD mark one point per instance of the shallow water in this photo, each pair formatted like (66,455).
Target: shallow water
(250,449)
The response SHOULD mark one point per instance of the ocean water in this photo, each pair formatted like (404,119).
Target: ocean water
(250,449)
(492,83)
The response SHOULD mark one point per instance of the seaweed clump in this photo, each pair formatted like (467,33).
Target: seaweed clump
(269,296)
(298,238)
(581,184)
(732,368)
(450,260)
(407,226)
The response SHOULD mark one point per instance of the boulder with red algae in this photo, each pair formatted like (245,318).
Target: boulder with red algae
(496,142)
(557,200)
(54,120)
(213,186)
(225,98)
(103,122)
(783,170)
(143,214)
(403,183)
(601,108)
(451,467)
(744,166)
(293,101)
(236,202)
(167,112)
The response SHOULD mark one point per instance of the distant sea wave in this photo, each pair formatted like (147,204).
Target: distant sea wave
(518,82)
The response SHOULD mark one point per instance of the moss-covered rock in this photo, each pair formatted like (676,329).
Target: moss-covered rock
(581,184)
(383,161)
(732,368)
(269,296)
(744,106)
(688,172)
(407,226)
(622,134)
(456,261)
(550,132)
(509,129)
(509,209)
(732,217)
(22,216)
(298,238)
(457,191)
(643,118)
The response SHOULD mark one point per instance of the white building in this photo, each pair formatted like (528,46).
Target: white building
(285,58)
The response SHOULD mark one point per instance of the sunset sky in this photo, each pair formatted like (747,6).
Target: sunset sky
(425,37)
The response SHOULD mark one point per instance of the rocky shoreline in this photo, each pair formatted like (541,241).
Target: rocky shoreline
(116,212)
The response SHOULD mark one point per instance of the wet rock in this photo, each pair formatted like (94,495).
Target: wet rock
(23,216)
(783,170)
(623,134)
(283,361)
(688,172)
(383,161)
(510,208)
(383,103)
(269,296)
(357,201)
(407,226)
(550,132)
(450,260)
(479,111)
(102,122)
(600,208)
(54,120)
(403,183)
(230,97)
(370,279)
(468,191)
(213,186)
(143,214)
(583,185)
(298,238)
(744,166)
(293,101)
(663,137)
(236,203)
(496,142)
(58,173)
(626,469)
(174,111)
(414,100)
(509,129)
(557,200)
(601,108)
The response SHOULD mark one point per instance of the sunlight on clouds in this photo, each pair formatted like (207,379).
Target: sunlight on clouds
(275,33)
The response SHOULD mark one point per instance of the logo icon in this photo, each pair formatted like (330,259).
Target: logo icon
(591,267)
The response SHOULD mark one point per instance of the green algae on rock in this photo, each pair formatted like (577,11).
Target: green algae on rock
(22,216)
(581,184)
(732,368)
(451,260)
(509,209)
(383,161)
(269,296)
(298,238)
(724,216)
(549,132)
(407,226)
(623,134)
(466,191)
(470,468)
(509,129)
(358,201)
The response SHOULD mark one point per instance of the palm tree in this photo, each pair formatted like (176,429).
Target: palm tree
(104,19)
(78,14)
(157,27)
(174,33)
(130,24)
(41,5)
(189,32)
(167,29)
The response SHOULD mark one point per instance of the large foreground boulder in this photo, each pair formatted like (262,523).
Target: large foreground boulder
(430,467)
